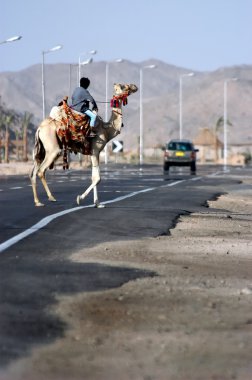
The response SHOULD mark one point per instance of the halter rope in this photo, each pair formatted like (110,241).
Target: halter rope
(115,101)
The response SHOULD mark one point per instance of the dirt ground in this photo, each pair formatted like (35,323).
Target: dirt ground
(192,321)
(23,168)
(14,168)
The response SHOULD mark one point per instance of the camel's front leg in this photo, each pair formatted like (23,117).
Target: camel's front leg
(96,200)
(95,193)
(95,180)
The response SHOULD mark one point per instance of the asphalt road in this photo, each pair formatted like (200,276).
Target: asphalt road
(16,202)
(36,269)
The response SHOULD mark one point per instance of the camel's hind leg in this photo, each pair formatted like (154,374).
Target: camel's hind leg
(40,170)
(49,159)
(33,178)
(46,151)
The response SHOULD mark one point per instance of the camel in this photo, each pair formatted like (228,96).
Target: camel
(48,149)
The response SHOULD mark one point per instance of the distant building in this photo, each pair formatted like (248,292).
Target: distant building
(210,147)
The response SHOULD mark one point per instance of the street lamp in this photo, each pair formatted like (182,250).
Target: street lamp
(225,121)
(90,60)
(119,60)
(55,48)
(141,113)
(180,103)
(11,39)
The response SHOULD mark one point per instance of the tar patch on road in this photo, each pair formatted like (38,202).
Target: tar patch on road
(28,286)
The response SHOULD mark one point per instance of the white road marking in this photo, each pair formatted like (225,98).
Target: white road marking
(43,222)
(195,179)
(37,227)
(49,218)
(174,183)
(153,179)
(16,188)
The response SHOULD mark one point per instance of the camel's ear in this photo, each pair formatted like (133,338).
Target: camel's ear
(117,88)
(133,88)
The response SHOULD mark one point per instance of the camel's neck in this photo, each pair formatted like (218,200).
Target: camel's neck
(114,123)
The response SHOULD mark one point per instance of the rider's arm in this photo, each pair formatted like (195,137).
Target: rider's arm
(91,99)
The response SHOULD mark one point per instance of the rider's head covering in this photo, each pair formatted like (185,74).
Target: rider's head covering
(84,82)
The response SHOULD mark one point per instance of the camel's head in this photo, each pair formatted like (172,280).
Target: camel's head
(124,89)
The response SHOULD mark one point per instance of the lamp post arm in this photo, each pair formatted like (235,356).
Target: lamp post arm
(11,39)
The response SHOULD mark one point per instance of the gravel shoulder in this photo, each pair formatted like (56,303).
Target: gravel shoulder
(192,321)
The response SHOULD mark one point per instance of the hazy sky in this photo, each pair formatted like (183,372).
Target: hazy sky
(200,35)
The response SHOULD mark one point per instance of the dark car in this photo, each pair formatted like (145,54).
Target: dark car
(180,153)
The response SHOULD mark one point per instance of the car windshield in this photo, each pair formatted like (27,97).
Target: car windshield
(184,146)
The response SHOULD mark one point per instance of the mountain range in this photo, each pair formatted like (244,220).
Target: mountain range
(202,97)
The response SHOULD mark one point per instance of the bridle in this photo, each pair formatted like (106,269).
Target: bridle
(117,100)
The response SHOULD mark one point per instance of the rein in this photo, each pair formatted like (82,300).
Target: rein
(115,101)
(119,113)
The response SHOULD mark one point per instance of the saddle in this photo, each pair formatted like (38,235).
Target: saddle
(72,129)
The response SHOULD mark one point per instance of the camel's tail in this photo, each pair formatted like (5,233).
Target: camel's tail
(39,150)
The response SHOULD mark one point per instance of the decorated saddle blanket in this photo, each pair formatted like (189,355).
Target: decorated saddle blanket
(72,128)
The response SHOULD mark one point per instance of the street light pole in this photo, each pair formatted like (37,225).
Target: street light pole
(11,39)
(180,103)
(87,62)
(43,84)
(91,52)
(141,113)
(55,48)
(119,60)
(225,122)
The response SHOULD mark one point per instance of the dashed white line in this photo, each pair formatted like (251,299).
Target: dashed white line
(195,179)
(48,219)
(174,183)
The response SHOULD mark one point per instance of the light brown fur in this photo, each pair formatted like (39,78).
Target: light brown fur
(47,143)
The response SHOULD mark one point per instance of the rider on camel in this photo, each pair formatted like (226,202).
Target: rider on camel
(80,103)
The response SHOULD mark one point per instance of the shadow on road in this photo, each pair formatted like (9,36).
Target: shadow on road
(28,287)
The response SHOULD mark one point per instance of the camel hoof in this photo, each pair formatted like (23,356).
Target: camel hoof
(52,199)
(99,205)
(38,204)
(78,199)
